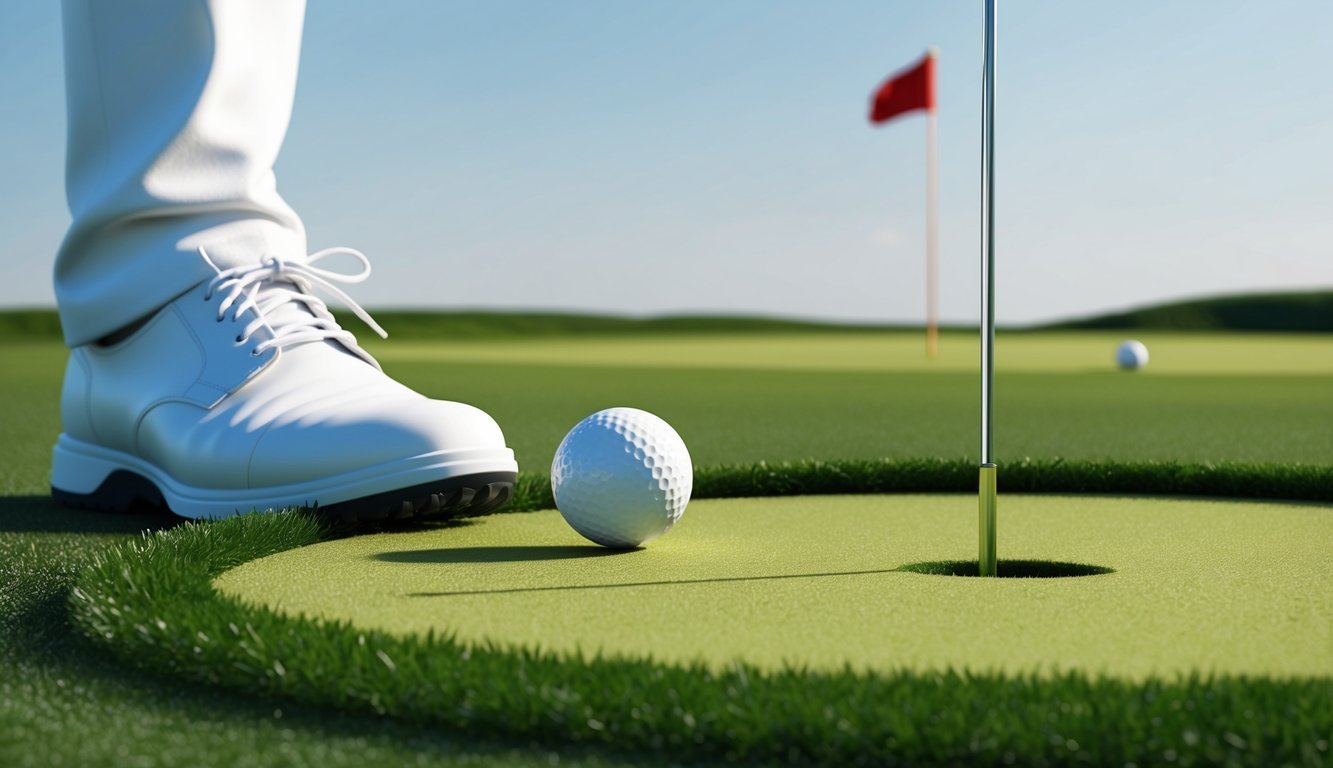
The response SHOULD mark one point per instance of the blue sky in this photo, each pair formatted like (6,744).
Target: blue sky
(703,156)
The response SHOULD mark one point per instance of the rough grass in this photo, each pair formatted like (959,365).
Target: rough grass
(808,478)
(151,603)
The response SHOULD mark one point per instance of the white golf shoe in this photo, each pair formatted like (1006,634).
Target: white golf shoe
(244,393)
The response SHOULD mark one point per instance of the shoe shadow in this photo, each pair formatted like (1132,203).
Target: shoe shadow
(41,514)
(521,554)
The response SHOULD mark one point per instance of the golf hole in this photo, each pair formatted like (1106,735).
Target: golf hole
(1009,569)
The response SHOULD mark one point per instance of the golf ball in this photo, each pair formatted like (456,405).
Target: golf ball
(1131,355)
(622,477)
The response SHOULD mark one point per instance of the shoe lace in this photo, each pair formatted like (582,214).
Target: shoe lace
(273,283)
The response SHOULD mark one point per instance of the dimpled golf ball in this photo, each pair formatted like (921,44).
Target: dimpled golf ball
(622,477)
(1131,355)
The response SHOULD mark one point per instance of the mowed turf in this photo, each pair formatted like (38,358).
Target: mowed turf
(738,399)
(1208,587)
(1172,353)
(800,404)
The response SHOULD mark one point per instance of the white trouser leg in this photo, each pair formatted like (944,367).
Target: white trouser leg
(177,110)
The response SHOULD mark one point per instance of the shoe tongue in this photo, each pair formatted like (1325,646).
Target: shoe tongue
(287,313)
(296,313)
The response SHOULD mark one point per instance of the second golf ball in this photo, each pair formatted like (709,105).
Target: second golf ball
(1131,355)
(622,477)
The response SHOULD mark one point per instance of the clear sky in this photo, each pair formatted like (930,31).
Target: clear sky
(705,156)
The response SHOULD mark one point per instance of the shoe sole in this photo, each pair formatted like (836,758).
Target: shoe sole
(432,486)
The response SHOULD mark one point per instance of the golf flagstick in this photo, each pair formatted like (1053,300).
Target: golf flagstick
(986,501)
(932,224)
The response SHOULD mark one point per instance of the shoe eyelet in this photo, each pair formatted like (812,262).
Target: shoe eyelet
(255,352)
(240,340)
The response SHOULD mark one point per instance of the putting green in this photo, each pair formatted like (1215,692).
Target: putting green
(1198,586)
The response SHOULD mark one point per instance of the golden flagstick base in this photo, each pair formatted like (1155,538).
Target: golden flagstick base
(986,559)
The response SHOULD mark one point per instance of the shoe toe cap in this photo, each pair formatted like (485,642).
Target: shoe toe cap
(370,434)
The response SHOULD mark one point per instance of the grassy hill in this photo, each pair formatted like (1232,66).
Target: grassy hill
(425,324)
(1287,312)
(477,325)
(17,324)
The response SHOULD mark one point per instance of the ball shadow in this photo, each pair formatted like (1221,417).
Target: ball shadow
(518,554)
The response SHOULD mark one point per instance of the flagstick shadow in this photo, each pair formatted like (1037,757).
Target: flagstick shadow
(668,582)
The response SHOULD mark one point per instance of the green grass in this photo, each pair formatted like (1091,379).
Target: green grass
(816,582)
(749,414)
(63,699)
(153,605)
(734,411)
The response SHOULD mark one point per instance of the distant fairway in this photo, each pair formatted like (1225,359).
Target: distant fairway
(1204,397)
(1018,352)
(777,397)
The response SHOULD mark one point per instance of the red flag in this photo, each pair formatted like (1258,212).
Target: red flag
(906,91)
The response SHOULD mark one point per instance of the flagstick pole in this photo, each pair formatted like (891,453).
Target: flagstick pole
(986,496)
(932,234)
